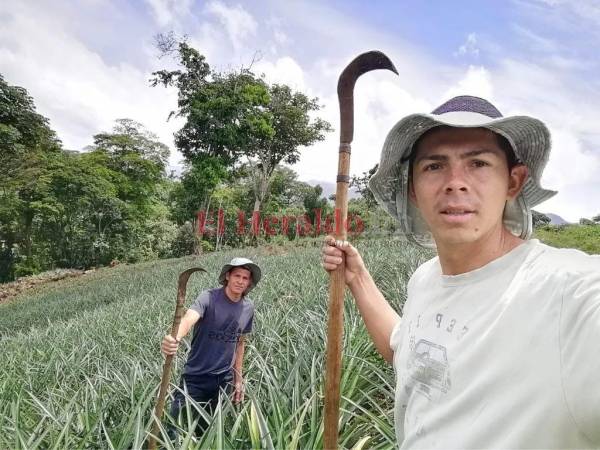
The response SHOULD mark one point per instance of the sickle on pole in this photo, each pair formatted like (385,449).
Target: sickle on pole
(361,64)
(166,375)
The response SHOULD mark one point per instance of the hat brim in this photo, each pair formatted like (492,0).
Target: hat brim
(254,270)
(529,138)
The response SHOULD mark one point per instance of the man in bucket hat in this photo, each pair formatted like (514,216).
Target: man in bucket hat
(221,318)
(498,340)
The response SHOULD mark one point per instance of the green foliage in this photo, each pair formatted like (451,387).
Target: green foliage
(539,219)
(584,221)
(582,237)
(361,184)
(27,146)
(80,363)
(198,181)
(72,209)
(24,134)
(237,114)
(314,201)
(224,112)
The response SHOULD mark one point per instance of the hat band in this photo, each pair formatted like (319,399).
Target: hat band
(463,118)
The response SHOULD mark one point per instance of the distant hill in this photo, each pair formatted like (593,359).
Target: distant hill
(555,219)
(329,188)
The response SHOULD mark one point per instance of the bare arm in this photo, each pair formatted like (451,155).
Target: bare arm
(379,317)
(169,345)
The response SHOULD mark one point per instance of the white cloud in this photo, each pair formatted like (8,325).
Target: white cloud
(73,86)
(476,81)
(169,12)
(469,47)
(239,24)
(284,70)
(82,87)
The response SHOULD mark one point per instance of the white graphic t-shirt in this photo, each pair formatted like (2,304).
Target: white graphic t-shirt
(505,356)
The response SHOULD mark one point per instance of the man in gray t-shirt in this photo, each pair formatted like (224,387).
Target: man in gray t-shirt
(221,318)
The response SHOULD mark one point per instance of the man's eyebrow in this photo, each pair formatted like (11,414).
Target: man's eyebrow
(469,154)
(431,158)
(478,152)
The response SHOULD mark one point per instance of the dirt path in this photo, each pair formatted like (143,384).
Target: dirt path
(10,290)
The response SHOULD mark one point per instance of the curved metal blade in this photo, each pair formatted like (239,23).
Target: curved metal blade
(363,63)
(182,283)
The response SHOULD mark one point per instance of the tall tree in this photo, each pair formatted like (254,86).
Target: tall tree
(27,144)
(289,118)
(235,114)
(224,112)
(137,159)
(361,184)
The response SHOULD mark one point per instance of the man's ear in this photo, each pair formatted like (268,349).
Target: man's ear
(227,276)
(516,180)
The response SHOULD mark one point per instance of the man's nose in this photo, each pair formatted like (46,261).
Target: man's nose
(456,180)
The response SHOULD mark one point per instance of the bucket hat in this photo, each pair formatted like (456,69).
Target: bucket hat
(528,137)
(244,263)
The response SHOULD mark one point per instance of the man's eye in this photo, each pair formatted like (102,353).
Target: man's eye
(432,166)
(480,163)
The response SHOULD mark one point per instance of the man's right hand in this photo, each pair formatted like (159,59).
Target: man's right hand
(169,345)
(331,257)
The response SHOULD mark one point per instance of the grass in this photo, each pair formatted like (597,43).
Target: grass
(582,237)
(80,362)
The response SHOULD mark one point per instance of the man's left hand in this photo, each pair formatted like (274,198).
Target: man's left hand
(238,393)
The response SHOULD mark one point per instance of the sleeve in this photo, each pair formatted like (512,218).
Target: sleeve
(201,303)
(580,342)
(396,336)
(397,331)
(248,328)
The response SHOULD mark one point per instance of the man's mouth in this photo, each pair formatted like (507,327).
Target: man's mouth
(457,211)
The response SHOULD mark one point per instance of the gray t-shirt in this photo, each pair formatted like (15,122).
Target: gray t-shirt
(217,332)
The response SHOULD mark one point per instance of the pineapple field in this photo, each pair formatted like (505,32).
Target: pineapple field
(80,362)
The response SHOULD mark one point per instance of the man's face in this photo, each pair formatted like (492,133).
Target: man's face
(238,280)
(461,182)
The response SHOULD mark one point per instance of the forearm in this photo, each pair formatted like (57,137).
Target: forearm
(187,322)
(239,361)
(379,317)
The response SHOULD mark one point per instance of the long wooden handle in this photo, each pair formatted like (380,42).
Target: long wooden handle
(165,379)
(335,320)
(166,375)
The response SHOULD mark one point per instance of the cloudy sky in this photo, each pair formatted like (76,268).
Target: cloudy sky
(88,63)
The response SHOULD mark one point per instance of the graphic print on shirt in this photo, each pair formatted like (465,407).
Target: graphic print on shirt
(227,331)
(428,367)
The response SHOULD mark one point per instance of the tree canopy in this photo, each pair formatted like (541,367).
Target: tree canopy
(236,116)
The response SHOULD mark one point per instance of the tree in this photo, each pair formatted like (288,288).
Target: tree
(539,219)
(361,184)
(235,114)
(137,159)
(292,129)
(313,201)
(27,145)
(596,218)
(224,112)
(198,181)
(24,134)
